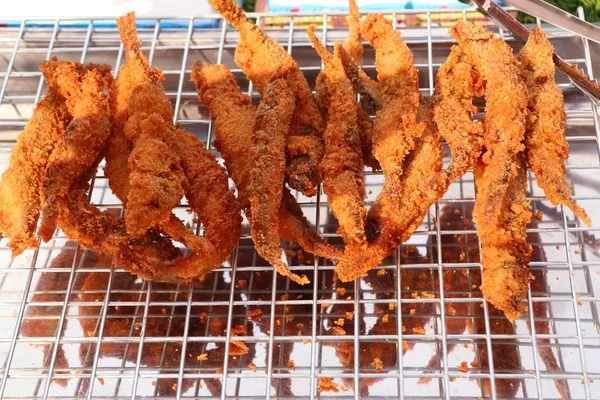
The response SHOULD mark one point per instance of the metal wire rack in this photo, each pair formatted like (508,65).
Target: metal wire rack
(73,325)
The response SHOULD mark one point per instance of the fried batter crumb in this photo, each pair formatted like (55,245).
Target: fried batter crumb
(344,388)
(300,296)
(463,367)
(385,318)
(451,310)
(254,314)
(381,272)
(153,383)
(377,364)
(174,387)
(392,306)
(292,365)
(101,380)
(202,357)
(328,385)
(339,322)
(338,331)
(241,284)
(163,311)
(306,341)
(405,345)
(285,297)
(474,364)
(340,291)
(539,215)
(350,315)
(219,370)
(349,298)
(203,317)
(325,305)
(413,311)
(90,333)
(253,367)
(419,330)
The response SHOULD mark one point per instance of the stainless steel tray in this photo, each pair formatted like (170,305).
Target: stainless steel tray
(73,325)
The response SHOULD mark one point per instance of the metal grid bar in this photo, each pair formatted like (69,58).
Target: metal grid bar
(106,365)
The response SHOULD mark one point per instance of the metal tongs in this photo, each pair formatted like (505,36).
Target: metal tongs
(579,78)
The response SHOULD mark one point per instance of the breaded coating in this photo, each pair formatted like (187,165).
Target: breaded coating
(209,195)
(150,256)
(353,42)
(456,84)
(505,254)
(156,179)
(419,189)
(85,136)
(504,131)
(273,118)
(20,201)
(132,74)
(259,56)
(342,164)
(547,147)
(234,118)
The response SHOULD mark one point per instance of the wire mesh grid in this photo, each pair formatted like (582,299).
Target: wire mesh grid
(73,325)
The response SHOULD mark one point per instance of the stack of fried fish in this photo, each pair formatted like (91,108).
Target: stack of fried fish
(294,140)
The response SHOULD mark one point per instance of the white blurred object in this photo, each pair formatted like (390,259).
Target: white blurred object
(105,8)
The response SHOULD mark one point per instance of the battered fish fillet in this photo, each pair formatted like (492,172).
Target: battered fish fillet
(273,118)
(83,140)
(157,181)
(351,53)
(20,201)
(342,164)
(234,117)
(504,131)
(260,57)
(505,253)
(353,43)
(209,195)
(150,256)
(419,188)
(456,84)
(545,140)
(132,74)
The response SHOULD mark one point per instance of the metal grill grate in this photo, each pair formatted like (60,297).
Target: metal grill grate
(73,325)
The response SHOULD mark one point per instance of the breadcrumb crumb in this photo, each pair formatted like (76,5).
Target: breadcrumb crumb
(350,315)
(338,331)
(340,291)
(101,380)
(419,330)
(252,366)
(385,318)
(241,284)
(328,385)
(292,365)
(377,364)
(381,272)
(202,357)
(463,367)
(256,313)
(339,322)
